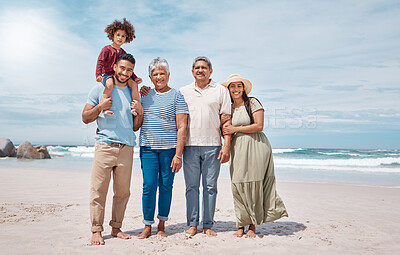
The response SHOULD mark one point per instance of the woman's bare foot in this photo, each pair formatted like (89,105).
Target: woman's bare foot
(191,231)
(116,232)
(209,232)
(145,233)
(239,232)
(97,239)
(251,233)
(161,229)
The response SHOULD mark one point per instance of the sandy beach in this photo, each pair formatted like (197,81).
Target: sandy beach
(47,212)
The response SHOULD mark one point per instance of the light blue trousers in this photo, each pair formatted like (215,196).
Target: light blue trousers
(201,162)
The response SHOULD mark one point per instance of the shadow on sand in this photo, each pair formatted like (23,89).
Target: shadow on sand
(279,228)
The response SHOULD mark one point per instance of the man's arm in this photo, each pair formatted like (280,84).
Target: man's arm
(224,118)
(257,126)
(224,154)
(138,120)
(90,112)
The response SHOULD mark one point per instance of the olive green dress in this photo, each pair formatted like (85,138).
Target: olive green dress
(252,173)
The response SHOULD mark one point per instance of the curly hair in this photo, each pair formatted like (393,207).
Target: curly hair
(124,25)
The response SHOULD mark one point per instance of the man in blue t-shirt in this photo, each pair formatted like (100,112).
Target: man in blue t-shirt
(115,139)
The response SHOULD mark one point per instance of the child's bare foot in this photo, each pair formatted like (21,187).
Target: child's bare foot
(191,231)
(161,229)
(97,239)
(108,112)
(209,232)
(116,232)
(251,233)
(239,232)
(145,233)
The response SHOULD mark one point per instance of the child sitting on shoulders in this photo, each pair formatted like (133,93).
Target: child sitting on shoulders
(119,33)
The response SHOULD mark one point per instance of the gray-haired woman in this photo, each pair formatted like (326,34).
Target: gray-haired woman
(162,138)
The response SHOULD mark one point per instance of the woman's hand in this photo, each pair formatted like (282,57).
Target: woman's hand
(228,129)
(176,164)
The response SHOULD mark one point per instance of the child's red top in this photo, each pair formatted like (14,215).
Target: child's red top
(106,61)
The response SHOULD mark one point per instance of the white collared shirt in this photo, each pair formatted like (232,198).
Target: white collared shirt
(205,107)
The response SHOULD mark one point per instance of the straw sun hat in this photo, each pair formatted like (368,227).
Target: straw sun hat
(237,77)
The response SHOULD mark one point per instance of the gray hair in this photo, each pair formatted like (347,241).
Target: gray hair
(158,62)
(203,58)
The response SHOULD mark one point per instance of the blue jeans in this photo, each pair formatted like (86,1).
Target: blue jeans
(201,161)
(105,78)
(157,171)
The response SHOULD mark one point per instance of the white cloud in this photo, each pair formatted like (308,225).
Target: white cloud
(40,56)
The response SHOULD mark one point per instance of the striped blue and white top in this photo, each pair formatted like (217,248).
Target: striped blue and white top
(159,129)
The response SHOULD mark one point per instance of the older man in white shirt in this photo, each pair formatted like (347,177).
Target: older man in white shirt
(209,106)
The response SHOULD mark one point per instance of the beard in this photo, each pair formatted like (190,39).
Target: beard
(119,80)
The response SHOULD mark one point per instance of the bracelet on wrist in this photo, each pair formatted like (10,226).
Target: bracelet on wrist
(178,156)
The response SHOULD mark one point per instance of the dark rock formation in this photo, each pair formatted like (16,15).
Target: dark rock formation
(42,151)
(7,148)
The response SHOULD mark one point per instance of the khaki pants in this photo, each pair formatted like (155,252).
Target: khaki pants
(110,158)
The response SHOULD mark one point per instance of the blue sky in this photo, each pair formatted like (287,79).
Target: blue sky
(327,72)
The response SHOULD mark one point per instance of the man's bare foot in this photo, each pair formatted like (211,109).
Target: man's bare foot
(116,232)
(191,231)
(239,232)
(145,233)
(108,112)
(161,229)
(209,232)
(97,239)
(251,233)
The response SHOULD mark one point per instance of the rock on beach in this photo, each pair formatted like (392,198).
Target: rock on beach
(7,148)
(27,150)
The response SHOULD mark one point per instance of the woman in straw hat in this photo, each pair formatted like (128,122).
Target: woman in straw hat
(251,165)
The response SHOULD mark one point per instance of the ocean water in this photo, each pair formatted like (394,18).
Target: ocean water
(366,167)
